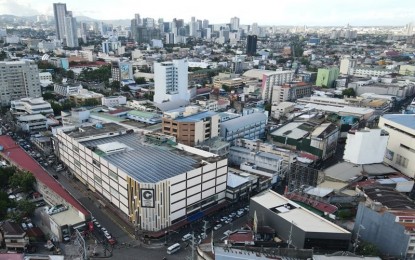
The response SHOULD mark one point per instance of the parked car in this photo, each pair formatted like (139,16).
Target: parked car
(218,226)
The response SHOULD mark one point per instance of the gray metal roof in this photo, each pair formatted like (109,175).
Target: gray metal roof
(145,162)
(196,117)
(407,120)
(240,122)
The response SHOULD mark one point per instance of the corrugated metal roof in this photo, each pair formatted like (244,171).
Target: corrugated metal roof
(196,117)
(239,122)
(144,162)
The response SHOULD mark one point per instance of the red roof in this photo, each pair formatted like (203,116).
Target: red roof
(20,158)
(239,237)
(320,205)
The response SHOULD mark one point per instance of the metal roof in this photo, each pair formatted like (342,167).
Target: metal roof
(145,162)
(243,121)
(196,117)
(407,120)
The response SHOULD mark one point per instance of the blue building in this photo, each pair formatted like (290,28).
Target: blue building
(251,126)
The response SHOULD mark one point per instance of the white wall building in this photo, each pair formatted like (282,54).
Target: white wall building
(401,145)
(171,81)
(113,101)
(66,90)
(31,106)
(365,146)
(154,181)
(369,72)
(274,78)
(32,123)
(45,76)
(346,64)
(18,79)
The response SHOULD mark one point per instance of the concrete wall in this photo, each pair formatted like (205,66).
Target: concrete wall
(381,230)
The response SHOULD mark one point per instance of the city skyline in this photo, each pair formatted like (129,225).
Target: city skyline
(296,12)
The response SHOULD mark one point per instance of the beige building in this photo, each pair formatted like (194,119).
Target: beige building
(190,126)
(156,182)
(400,151)
(86,97)
(407,70)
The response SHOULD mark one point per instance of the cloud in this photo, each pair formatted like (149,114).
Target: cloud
(20,8)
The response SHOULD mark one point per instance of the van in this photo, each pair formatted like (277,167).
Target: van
(186,237)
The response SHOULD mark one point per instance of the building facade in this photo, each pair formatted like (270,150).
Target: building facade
(59,11)
(171,81)
(298,226)
(327,77)
(18,79)
(251,126)
(251,45)
(401,146)
(113,101)
(31,106)
(190,126)
(274,78)
(154,181)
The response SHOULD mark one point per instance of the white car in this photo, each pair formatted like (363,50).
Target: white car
(217,226)
(104,230)
(108,236)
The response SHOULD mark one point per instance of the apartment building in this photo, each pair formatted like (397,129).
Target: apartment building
(290,92)
(275,78)
(171,81)
(18,79)
(400,151)
(156,182)
(113,101)
(190,126)
(369,72)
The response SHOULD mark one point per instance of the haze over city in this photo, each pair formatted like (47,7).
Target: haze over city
(264,12)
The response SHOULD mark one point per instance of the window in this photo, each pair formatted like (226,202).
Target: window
(77,163)
(96,163)
(402,161)
(75,149)
(113,175)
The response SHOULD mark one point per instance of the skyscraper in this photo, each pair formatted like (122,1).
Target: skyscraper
(71,31)
(59,11)
(251,45)
(66,27)
(234,23)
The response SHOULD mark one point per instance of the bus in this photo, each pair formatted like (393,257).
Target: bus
(174,248)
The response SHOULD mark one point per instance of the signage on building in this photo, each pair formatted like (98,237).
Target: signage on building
(147,198)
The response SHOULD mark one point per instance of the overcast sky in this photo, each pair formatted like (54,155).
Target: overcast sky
(263,12)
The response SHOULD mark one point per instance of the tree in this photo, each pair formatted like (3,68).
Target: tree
(27,208)
(349,92)
(125,88)
(48,96)
(57,108)
(91,102)
(70,74)
(5,174)
(23,180)
(140,80)
(115,85)
(4,204)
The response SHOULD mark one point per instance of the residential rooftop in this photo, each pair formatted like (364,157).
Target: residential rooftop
(294,213)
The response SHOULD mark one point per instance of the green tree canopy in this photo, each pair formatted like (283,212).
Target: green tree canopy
(27,208)
(23,180)
(349,92)
(140,80)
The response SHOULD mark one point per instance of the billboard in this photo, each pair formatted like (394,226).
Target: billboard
(147,198)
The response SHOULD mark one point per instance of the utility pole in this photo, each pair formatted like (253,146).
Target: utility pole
(356,243)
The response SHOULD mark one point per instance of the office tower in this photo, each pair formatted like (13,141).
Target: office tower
(137,19)
(409,29)
(171,82)
(192,27)
(66,28)
(254,29)
(59,11)
(234,23)
(251,45)
(71,31)
(149,23)
(205,24)
(199,25)
(18,79)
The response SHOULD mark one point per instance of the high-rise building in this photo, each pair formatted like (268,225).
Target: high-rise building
(71,31)
(18,79)
(234,23)
(251,45)
(193,27)
(59,11)
(66,27)
(255,29)
(171,81)
(205,24)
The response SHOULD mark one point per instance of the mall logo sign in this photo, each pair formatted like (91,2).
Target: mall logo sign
(147,198)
